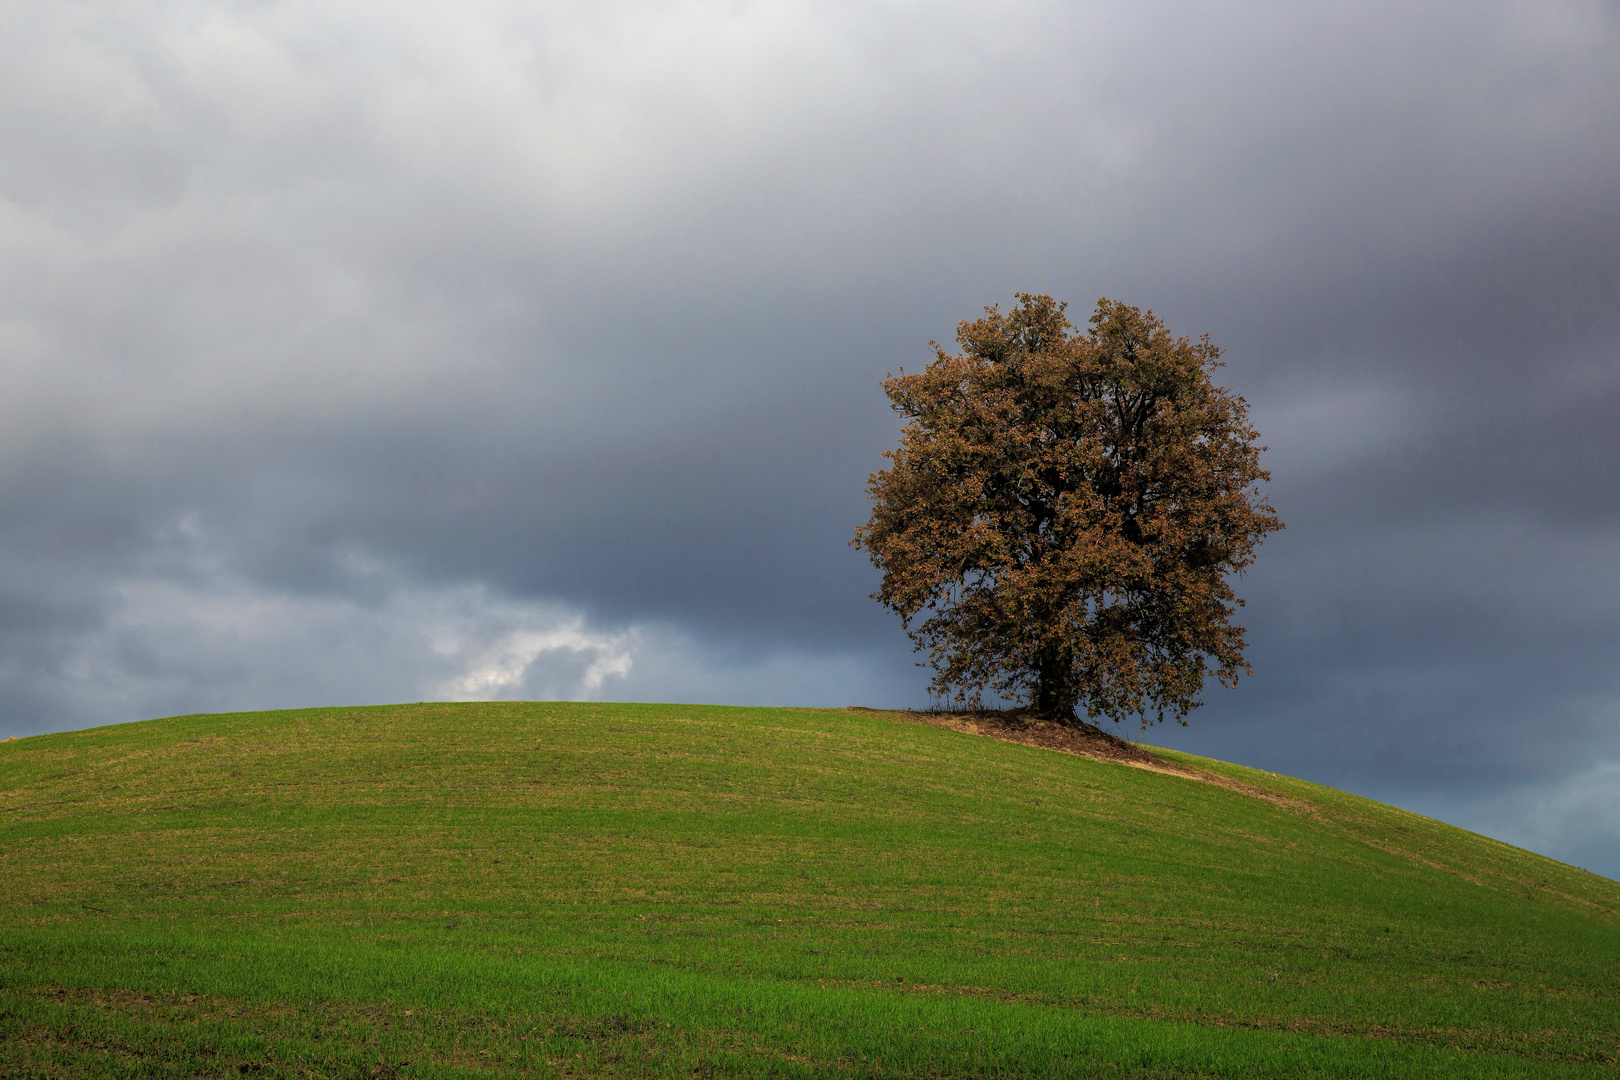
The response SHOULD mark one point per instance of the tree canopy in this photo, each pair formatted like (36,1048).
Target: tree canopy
(1064,510)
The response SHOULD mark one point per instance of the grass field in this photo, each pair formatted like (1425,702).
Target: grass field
(519,889)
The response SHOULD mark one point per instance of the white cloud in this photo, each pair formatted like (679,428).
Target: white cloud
(217,641)
(195,634)
(504,669)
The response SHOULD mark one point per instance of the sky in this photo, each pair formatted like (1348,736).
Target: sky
(358,353)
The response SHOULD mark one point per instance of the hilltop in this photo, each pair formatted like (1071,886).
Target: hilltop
(582,889)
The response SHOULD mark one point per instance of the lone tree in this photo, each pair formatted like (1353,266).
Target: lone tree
(1063,512)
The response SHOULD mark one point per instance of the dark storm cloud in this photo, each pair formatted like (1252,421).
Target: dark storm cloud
(491,350)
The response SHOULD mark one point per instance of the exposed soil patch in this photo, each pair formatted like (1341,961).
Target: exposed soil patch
(1016,725)
(1079,738)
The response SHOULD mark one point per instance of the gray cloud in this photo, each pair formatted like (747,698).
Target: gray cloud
(512,351)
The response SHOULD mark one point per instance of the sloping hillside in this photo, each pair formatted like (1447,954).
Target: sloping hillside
(573,889)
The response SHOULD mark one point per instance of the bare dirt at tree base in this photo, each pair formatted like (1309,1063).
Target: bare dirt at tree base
(1078,738)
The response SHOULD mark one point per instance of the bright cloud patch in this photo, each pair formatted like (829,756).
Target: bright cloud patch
(505,668)
(223,643)
(200,635)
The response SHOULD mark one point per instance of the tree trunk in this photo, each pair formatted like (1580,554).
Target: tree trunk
(1055,689)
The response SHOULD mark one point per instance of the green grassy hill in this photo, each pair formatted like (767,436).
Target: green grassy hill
(601,890)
